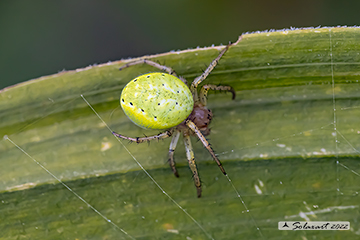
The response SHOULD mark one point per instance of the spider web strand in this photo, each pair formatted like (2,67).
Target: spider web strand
(68,188)
(334,110)
(246,208)
(148,174)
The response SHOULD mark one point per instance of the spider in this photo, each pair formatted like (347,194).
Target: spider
(164,101)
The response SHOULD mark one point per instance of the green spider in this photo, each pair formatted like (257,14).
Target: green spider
(163,101)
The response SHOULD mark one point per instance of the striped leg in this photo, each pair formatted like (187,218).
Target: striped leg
(202,77)
(192,164)
(151,63)
(173,143)
(206,144)
(204,91)
(159,136)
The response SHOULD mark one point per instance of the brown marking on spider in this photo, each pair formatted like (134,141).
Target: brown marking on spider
(196,123)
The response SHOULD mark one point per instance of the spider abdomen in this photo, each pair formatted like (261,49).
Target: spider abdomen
(156,101)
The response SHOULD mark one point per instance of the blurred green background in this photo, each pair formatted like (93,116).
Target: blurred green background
(44,37)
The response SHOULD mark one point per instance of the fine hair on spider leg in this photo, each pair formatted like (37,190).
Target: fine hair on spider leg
(188,114)
(157,65)
(159,136)
(206,144)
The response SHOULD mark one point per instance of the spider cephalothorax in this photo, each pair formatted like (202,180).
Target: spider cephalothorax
(164,101)
(201,116)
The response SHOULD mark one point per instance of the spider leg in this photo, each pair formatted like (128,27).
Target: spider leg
(202,77)
(159,136)
(183,80)
(151,63)
(173,143)
(204,91)
(206,144)
(192,164)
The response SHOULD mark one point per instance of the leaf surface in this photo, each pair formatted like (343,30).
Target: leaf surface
(288,143)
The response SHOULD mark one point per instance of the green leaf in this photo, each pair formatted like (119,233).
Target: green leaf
(289,143)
